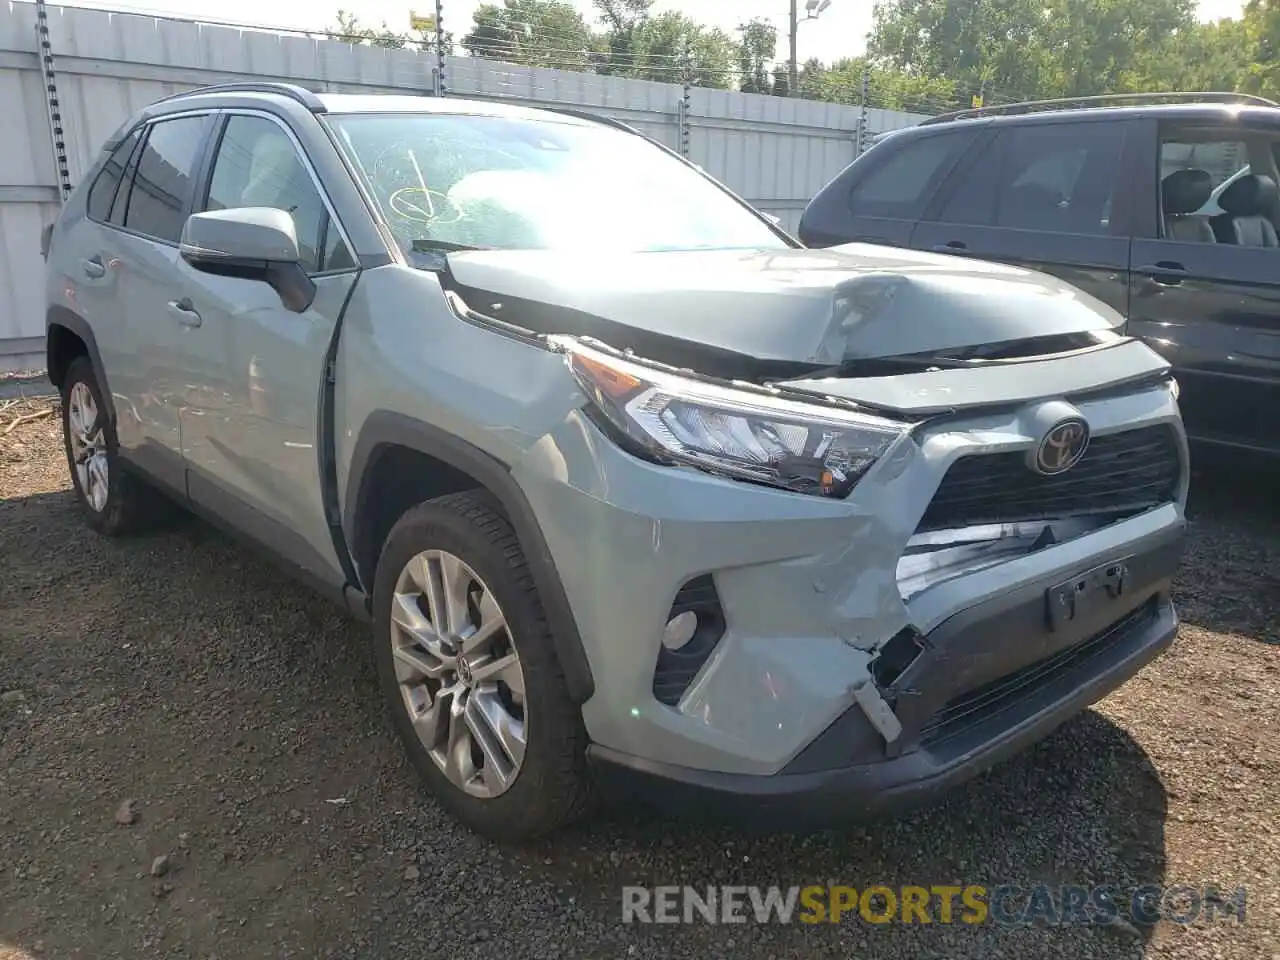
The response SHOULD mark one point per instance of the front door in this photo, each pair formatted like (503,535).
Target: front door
(1205,295)
(252,443)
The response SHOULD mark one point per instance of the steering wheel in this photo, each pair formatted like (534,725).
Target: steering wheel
(418,206)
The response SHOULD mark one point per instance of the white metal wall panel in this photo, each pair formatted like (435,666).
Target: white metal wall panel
(775,152)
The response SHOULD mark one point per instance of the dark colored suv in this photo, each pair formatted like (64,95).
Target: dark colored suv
(1165,211)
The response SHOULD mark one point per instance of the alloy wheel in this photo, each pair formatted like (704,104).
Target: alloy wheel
(88,446)
(459,674)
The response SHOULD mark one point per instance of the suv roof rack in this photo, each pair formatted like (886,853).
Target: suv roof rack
(1123,99)
(291,90)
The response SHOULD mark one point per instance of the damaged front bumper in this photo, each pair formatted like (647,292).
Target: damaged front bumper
(991,681)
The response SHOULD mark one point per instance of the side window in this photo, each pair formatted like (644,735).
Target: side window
(163,182)
(1059,177)
(257,165)
(902,184)
(103,192)
(971,199)
(1205,172)
(336,254)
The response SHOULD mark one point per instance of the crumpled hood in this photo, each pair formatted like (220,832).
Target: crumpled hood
(820,307)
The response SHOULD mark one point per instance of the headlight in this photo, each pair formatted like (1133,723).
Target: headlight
(669,418)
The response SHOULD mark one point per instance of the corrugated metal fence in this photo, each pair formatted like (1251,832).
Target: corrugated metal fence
(775,152)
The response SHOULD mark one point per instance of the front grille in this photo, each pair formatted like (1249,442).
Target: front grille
(1121,473)
(977,704)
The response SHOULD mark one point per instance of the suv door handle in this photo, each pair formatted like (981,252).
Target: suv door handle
(185,312)
(94,268)
(1168,272)
(951,246)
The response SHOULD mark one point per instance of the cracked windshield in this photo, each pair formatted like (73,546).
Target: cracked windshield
(446,182)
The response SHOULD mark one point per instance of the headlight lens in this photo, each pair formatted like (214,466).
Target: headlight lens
(806,449)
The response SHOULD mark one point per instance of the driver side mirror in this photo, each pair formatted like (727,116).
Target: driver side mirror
(250,243)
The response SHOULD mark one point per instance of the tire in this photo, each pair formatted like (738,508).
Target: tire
(550,786)
(115,501)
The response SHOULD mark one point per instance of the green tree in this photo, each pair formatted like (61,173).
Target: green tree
(1260,33)
(623,19)
(1025,49)
(673,47)
(537,33)
(349,28)
(757,45)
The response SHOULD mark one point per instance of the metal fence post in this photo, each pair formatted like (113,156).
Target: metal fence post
(862,113)
(441,87)
(686,98)
(44,50)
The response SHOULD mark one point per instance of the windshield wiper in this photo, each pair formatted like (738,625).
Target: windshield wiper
(428,245)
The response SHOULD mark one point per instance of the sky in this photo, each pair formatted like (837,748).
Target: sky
(839,32)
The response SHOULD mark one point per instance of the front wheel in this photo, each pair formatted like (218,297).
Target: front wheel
(466,663)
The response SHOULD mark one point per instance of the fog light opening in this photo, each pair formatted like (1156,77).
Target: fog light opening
(679,630)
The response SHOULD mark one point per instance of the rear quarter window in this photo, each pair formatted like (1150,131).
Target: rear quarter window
(900,184)
(103,192)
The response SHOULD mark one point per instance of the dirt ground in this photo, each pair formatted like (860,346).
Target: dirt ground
(240,716)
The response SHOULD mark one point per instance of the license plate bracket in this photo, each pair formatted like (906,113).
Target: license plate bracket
(1083,595)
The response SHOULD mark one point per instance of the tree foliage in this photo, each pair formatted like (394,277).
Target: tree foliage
(537,33)
(348,27)
(922,55)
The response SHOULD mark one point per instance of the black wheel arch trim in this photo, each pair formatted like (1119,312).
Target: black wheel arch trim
(385,428)
(60,316)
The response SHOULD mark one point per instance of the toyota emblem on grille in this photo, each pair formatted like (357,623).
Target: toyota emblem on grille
(1062,447)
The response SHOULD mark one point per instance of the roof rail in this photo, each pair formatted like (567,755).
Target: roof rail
(290,90)
(1070,103)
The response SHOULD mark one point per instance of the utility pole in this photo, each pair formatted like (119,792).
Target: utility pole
(793,77)
(812,10)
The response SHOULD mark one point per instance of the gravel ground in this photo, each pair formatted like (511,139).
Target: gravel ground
(240,716)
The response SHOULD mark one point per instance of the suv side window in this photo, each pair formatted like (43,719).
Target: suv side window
(1061,177)
(1197,169)
(905,179)
(1055,177)
(103,192)
(257,165)
(166,173)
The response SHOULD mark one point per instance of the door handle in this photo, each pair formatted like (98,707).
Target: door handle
(951,246)
(1167,272)
(94,268)
(185,312)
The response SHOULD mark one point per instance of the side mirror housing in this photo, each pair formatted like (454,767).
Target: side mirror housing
(250,243)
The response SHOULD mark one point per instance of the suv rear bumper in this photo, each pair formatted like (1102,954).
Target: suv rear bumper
(952,729)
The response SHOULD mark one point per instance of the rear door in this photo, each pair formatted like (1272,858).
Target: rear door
(145,359)
(1044,195)
(1211,308)
(878,198)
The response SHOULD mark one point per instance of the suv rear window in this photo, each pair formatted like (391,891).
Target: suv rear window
(906,177)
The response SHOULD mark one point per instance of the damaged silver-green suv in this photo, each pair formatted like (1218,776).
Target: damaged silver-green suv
(636,492)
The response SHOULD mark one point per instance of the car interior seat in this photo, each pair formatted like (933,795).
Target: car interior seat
(1249,203)
(1182,193)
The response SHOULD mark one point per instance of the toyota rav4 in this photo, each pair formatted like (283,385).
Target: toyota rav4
(637,493)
